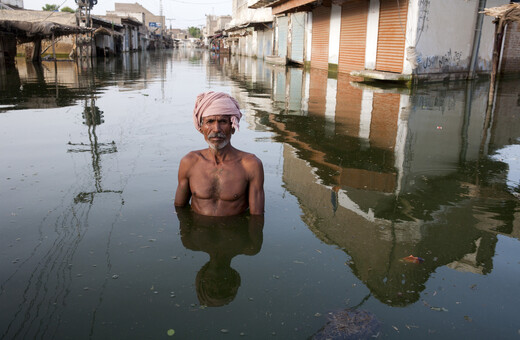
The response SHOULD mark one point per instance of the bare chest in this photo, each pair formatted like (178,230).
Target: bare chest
(223,182)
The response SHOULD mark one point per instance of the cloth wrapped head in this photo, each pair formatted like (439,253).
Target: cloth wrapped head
(216,103)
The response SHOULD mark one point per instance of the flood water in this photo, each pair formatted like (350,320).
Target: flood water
(357,178)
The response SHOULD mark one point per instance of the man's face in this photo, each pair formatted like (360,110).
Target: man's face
(217,131)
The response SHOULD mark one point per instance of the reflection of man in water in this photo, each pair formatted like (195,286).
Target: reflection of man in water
(220,180)
(222,238)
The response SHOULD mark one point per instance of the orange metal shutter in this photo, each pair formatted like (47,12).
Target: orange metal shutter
(320,37)
(353,36)
(391,37)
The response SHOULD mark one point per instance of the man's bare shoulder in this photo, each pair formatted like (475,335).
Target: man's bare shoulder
(192,156)
(250,160)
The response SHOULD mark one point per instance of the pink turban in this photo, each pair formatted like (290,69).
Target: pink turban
(216,103)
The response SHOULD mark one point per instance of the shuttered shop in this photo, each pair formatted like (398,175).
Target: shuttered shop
(391,37)
(320,37)
(282,36)
(353,36)
(297,36)
(260,44)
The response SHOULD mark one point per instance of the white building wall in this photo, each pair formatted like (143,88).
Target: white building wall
(410,53)
(308,37)
(242,14)
(372,30)
(445,33)
(334,35)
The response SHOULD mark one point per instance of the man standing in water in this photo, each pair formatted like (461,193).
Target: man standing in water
(220,180)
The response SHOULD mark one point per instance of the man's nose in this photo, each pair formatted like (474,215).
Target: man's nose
(217,127)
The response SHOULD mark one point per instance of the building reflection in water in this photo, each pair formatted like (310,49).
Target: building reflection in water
(222,238)
(388,172)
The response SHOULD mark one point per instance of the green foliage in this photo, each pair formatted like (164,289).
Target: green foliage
(68,9)
(49,7)
(194,32)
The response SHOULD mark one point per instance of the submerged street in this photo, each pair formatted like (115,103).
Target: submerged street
(358,177)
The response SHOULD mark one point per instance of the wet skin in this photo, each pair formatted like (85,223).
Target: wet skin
(220,180)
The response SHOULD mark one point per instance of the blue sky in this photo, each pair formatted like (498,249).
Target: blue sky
(184,12)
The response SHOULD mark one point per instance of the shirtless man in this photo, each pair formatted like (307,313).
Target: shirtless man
(220,180)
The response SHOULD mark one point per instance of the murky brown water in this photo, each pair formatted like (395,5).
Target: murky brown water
(357,178)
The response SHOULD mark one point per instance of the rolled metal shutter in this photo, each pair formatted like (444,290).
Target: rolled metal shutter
(282,36)
(392,35)
(260,45)
(320,37)
(297,36)
(353,36)
(268,42)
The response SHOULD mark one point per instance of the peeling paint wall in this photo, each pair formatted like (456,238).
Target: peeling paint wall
(445,35)
(444,38)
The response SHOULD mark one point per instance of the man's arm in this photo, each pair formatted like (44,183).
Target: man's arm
(256,186)
(183,194)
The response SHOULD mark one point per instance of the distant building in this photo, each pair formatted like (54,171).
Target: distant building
(216,23)
(250,32)
(153,22)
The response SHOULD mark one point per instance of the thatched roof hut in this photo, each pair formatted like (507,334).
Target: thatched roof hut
(29,25)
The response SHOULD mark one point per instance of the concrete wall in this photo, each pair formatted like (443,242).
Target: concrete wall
(242,14)
(444,36)
(372,30)
(334,35)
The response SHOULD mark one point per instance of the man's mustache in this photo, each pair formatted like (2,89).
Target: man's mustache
(217,135)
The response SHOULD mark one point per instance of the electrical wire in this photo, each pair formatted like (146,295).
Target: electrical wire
(54,11)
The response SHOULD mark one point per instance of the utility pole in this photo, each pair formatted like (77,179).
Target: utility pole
(162,17)
(170,20)
(83,19)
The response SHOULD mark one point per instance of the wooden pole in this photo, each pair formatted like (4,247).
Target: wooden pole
(53,48)
(36,55)
(499,34)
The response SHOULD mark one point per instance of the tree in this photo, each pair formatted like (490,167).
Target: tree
(51,8)
(68,9)
(194,32)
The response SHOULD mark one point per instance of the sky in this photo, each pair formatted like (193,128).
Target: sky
(184,13)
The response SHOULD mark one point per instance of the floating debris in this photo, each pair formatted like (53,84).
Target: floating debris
(438,309)
(349,324)
(223,330)
(170,332)
(115,276)
(413,259)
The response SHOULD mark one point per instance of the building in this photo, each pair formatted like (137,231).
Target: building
(396,40)
(154,22)
(250,32)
